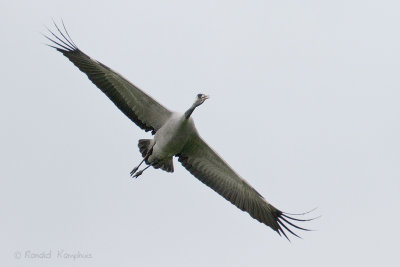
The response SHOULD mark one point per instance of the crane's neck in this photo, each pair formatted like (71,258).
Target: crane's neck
(190,111)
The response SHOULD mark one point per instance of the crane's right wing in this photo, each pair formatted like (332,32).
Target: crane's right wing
(207,166)
(143,110)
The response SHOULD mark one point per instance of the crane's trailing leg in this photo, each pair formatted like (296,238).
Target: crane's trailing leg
(146,148)
(136,175)
(137,167)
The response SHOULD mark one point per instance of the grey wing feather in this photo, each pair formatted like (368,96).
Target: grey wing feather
(206,165)
(143,110)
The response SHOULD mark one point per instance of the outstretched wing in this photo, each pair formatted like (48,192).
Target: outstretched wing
(143,110)
(206,165)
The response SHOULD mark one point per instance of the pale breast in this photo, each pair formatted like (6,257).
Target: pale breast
(172,136)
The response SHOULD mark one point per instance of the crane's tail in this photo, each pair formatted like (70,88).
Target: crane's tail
(146,149)
(144,146)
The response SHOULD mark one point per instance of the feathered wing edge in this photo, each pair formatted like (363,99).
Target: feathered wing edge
(144,111)
(200,160)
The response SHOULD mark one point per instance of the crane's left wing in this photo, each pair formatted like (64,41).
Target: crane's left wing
(143,110)
(206,165)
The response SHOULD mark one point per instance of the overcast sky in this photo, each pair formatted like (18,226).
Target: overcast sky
(304,105)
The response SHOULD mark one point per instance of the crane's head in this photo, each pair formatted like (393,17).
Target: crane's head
(200,98)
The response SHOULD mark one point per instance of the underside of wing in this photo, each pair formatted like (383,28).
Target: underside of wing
(205,164)
(143,110)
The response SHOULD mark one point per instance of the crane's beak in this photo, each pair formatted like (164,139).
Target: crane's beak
(205,97)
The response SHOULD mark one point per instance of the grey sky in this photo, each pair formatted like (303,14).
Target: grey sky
(304,105)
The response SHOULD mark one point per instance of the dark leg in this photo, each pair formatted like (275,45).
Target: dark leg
(140,172)
(144,159)
(137,167)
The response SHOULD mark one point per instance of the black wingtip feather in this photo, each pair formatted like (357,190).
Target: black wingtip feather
(66,31)
(288,229)
(62,45)
(283,220)
(300,220)
(65,38)
(300,214)
(292,224)
(59,46)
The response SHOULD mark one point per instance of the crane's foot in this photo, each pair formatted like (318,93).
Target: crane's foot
(134,170)
(137,167)
(136,175)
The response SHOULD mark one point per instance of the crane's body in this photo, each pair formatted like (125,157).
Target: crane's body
(174,135)
(168,141)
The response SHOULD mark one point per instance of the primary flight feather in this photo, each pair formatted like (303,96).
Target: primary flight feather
(174,135)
